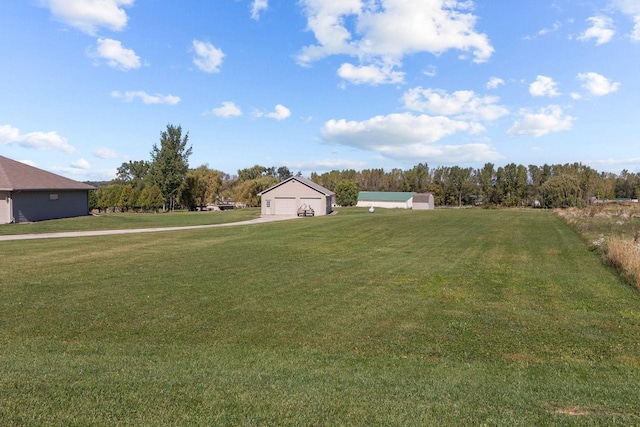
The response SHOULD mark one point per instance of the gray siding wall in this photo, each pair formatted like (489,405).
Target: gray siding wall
(37,205)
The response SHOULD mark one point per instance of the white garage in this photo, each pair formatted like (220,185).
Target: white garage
(294,193)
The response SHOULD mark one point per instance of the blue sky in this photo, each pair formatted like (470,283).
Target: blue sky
(317,85)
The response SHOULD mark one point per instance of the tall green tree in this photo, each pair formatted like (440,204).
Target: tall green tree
(170,164)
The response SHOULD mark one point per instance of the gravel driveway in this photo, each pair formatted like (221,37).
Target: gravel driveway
(137,230)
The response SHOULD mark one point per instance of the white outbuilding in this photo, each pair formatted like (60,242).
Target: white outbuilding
(395,199)
(296,196)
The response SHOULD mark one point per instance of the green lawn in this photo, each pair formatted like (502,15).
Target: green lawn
(446,317)
(115,221)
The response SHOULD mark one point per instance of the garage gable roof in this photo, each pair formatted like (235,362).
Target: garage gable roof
(422,197)
(304,181)
(384,196)
(16,176)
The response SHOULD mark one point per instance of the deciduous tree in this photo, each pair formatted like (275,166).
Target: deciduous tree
(170,163)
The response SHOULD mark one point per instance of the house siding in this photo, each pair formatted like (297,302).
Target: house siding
(29,206)
(5,208)
(300,194)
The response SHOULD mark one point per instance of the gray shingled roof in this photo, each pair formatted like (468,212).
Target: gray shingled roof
(304,181)
(16,176)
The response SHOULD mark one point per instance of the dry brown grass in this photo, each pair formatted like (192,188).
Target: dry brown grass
(624,254)
(613,230)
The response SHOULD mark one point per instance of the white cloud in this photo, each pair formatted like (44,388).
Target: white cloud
(257,7)
(80,173)
(228,109)
(390,131)
(544,86)
(130,96)
(36,140)
(494,82)
(602,30)
(430,71)
(407,137)
(116,55)
(325,165)
(370,74)
(631,8)
(463,104)
(281,112)
(89,15)
(81,164)
(105,153)
(556,26)
(387,30)
(208,57)
(597,84)
(546,120)
(635,34)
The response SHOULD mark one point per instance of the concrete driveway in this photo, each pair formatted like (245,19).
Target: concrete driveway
(138,230)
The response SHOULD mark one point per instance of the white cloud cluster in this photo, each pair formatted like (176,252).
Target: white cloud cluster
(90,15)
(370,74)
(325,165)
(546,120)
(280,113)
(228,109)
(602,30)
(407,136)
(544,86)
(105,153)
(130,96)
(597,84)
(494,82)
(631,8)
(462,104)
(385,31)
(208,57)
(115,54)
(36,140)
(257,7)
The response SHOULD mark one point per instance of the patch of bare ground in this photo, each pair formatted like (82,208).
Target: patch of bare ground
(577,411)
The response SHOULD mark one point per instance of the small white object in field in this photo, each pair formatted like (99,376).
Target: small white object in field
(371,210)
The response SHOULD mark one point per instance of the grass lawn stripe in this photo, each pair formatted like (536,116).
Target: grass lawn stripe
(446,317)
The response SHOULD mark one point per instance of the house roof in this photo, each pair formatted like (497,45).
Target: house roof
(304,181)
(16,176)
(384,196)
(422,197)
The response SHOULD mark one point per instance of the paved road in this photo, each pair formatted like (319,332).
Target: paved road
(137,230)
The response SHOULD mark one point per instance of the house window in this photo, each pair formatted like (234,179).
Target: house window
(268,203)
(53,196)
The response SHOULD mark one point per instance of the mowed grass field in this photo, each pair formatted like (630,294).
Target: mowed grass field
(446,317)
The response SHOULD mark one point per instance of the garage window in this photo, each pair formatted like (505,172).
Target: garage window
(53,196)
(268,203)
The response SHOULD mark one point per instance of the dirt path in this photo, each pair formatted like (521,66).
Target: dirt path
(137,230)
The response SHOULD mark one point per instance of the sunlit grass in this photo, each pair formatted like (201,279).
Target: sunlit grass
(114,221)
(447,317)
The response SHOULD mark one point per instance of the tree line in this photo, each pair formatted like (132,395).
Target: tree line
(166,182)
(549,186)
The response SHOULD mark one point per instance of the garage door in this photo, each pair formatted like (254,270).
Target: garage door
(315,203)
(285,205)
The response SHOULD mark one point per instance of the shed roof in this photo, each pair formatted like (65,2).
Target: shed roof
(319,188)
(422,197)
(384,196)
(15,176)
